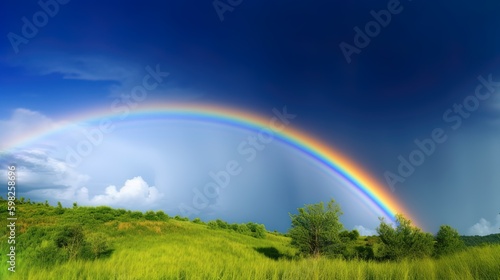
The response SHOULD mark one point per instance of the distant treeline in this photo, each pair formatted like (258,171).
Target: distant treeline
(481,240)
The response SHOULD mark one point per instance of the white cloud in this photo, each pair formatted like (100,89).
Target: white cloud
(484,227)
(135,192)
(365,231)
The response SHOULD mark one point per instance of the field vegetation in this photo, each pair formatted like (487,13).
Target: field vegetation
(95,243)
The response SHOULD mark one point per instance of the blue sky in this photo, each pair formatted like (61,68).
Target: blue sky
(262,55)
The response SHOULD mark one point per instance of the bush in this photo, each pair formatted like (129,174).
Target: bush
(243,229)
(98,244)
(222,224)
(257,230)
(179,218)
(71,239)
(448,241)
(212,225)
(162,216)
(49,254)
(136,214)
(404,241)
(198,221)
(150,216)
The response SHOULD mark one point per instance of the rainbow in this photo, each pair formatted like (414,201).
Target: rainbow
(359,179)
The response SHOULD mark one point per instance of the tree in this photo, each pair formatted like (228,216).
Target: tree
(448,241)
(404,241)
(315,229)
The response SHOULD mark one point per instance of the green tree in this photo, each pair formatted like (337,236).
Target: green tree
(315,229)
(404,241)
(448,241)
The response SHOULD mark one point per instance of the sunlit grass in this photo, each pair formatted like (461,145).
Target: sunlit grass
(183,250)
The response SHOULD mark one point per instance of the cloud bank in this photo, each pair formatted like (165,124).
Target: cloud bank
(135,192)
(484,227)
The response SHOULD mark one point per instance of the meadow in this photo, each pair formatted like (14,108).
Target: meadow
(162,247)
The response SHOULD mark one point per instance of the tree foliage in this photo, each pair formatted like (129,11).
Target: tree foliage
(252,229)
(448,241)
(316,229)
(72,239)
(404,241)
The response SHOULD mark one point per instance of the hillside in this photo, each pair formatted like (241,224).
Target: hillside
(154,246)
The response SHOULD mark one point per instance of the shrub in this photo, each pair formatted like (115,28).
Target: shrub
(197,221)
(222,224)
(150,215)
(212,225)
(257,230)
(448,241)
(49,254)
(162,216)
(404,241)
(136,214)
(71,239)
(179,218)
(98,244)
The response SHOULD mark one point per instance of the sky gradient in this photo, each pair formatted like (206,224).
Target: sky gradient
(428,77)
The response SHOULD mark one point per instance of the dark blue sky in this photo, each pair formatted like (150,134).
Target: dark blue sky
(270,54)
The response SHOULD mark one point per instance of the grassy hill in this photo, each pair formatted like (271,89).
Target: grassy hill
(154,246)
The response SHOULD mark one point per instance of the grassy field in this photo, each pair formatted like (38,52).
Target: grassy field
(175,249)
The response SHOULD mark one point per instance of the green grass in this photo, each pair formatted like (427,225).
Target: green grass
(184,250)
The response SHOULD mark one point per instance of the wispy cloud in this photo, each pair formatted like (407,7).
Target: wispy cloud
(79,67)
(123,74)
